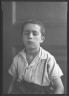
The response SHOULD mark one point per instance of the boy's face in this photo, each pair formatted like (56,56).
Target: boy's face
(32,36)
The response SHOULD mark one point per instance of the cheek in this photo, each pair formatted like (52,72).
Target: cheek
(37,40)
(24,37)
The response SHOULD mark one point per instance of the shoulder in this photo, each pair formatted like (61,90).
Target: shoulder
(46,55)
(51,61)
(19,55)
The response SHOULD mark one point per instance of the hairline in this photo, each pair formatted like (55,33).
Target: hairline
(39,23)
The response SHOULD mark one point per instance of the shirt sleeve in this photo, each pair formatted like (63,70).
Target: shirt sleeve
(54,70)
(13,68)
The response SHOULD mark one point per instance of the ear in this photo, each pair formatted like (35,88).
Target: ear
(42,39)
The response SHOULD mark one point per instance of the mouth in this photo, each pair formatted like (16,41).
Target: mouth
(30,42)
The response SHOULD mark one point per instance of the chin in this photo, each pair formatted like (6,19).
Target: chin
(31,47)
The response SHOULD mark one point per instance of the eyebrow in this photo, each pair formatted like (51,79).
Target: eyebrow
(32,31)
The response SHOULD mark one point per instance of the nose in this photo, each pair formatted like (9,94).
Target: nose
(30,35)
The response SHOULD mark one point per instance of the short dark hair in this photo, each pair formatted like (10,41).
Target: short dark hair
(34,21)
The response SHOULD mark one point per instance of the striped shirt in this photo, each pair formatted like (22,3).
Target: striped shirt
(33,72)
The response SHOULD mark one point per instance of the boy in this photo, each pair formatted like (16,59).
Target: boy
(34,66)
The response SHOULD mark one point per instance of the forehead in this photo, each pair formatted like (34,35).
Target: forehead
(33,27)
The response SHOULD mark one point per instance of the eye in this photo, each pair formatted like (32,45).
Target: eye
(26,33)
(35,33)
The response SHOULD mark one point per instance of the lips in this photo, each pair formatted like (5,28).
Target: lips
(30,42)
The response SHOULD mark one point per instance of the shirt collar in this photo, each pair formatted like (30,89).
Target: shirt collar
(23,53)
(42,53)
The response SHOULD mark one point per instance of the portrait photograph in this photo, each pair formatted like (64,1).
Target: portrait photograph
(34,47)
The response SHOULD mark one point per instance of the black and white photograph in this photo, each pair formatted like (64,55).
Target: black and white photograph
(34,47)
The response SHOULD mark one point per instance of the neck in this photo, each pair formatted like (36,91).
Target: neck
(32,51)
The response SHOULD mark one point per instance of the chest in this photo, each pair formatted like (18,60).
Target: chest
(33,73)
(30,58)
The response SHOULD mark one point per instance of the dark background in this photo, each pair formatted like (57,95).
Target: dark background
(54,16)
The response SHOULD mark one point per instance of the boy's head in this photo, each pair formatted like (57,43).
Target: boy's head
(34,21)
(32,33)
